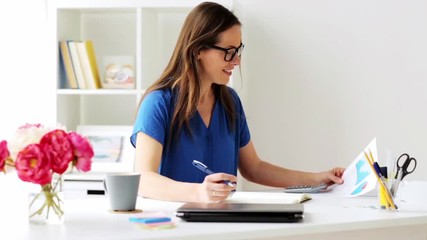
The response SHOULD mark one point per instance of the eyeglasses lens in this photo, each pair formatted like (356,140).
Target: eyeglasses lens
(229,55)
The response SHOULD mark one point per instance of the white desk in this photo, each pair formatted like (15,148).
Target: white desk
(325,218)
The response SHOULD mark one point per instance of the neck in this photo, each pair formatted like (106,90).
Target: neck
(206,93)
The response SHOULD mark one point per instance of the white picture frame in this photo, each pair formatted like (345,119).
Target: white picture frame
(112,148)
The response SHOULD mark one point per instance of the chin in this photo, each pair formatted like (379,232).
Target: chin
(223,81)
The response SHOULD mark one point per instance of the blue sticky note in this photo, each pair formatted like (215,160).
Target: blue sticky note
(149,220)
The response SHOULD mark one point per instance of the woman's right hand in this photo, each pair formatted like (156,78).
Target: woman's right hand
(214,188)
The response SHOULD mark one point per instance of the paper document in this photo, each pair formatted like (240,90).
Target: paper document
(413,192)
(267,197)
(358,177)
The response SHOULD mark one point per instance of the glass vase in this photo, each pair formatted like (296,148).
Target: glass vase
(47,206)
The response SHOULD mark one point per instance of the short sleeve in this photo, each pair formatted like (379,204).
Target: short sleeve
(153,116)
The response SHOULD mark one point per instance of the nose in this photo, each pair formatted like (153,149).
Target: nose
(236,60)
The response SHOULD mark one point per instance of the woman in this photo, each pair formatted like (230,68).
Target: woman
(190,114)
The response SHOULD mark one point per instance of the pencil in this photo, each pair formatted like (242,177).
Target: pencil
(381,183)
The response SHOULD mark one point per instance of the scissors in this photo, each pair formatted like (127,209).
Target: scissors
(405,165)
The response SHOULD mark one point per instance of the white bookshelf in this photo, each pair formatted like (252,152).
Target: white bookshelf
(147,30)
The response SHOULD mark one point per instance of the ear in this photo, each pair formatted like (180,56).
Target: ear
(199,55)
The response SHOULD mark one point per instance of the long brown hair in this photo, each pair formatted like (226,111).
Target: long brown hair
(201,28)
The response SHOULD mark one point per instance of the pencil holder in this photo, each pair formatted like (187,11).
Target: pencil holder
(386,200)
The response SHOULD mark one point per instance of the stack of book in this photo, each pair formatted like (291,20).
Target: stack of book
(79,64)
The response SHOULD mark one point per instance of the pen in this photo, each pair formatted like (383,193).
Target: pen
(383,201)
(202,167)
(378,170)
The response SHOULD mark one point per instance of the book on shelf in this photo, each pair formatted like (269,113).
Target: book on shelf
(67,65)
(78,71)
(90,50)
(89,65)
(267,197)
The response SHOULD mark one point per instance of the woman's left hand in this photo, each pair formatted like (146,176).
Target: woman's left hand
(332,176)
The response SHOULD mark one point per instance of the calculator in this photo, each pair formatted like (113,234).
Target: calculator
(306,188)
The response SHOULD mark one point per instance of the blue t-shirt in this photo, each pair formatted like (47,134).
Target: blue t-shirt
(217,146)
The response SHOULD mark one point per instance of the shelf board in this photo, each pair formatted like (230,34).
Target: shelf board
(99,92)
(80,4)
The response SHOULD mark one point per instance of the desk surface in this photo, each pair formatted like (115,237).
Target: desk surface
(325,215)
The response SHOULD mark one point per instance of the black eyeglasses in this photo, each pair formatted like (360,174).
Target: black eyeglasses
(229,52)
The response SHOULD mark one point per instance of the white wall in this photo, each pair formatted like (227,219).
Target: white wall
(321,79)
(26,95)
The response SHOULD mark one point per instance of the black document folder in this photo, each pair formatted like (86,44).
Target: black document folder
(240,212)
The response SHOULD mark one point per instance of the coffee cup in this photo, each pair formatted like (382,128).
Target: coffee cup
(122,190)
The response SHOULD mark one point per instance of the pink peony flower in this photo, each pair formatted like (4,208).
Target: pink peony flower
(33,166)
(58,149)
(4,154)
(83,151)
(37,152)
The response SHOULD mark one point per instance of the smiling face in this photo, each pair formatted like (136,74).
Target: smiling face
(214,69)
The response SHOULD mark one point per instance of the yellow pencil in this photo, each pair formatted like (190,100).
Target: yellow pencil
(382,192)
(381,183)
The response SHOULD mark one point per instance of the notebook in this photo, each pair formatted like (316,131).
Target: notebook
(267,197)
(240,212)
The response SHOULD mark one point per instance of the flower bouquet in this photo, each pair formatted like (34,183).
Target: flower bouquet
(39,154)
